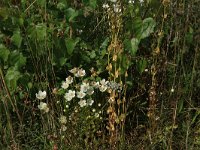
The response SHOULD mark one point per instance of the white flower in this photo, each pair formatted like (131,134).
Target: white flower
(85,87)
(103,82)
(105,6)
(65,85)
(172,90)
(69,95)
(90,91)
(80,94)
(80,73)
(114,1)
(103,88)
(93,110)
(43,106)
(90,102)
(116,8)
(95,84)
(82,103)
(74,70)
(64,128)
(69,80)
(131,1)
(41,95)
(141,1)
(63,120)
(96,115)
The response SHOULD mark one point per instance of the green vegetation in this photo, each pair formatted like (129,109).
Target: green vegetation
(99,74)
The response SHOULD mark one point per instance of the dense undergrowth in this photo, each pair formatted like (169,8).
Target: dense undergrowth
(97,74)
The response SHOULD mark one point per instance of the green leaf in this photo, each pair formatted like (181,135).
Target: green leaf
(61,5)
(148,27)
(17,59)
(142,64)
(134,45)
(92,54)
(105,43)
(131,45)
(4,53)
(71,14)
(103,53)
(38,32)
(4,12)
(143,28)
(180,105)
(62,61)
(70,44)
(41,2)
(125,63)
(93,3)
(189,36)
(12,77)
(17,39)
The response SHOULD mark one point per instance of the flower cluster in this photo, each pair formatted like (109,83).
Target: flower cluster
(115,86)
(42,106)
(63,121)
(83,91)
(79,94)
(67,82)
(116,7)
(69,95)
(78,72)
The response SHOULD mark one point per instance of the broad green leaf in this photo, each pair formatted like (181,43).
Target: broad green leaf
(11,78)
(131,45)
(16,39)
(38,32)
(148,27)
(143,28)
(71,14)
(134,46)
(17,59)
(4,53)
(70,44)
